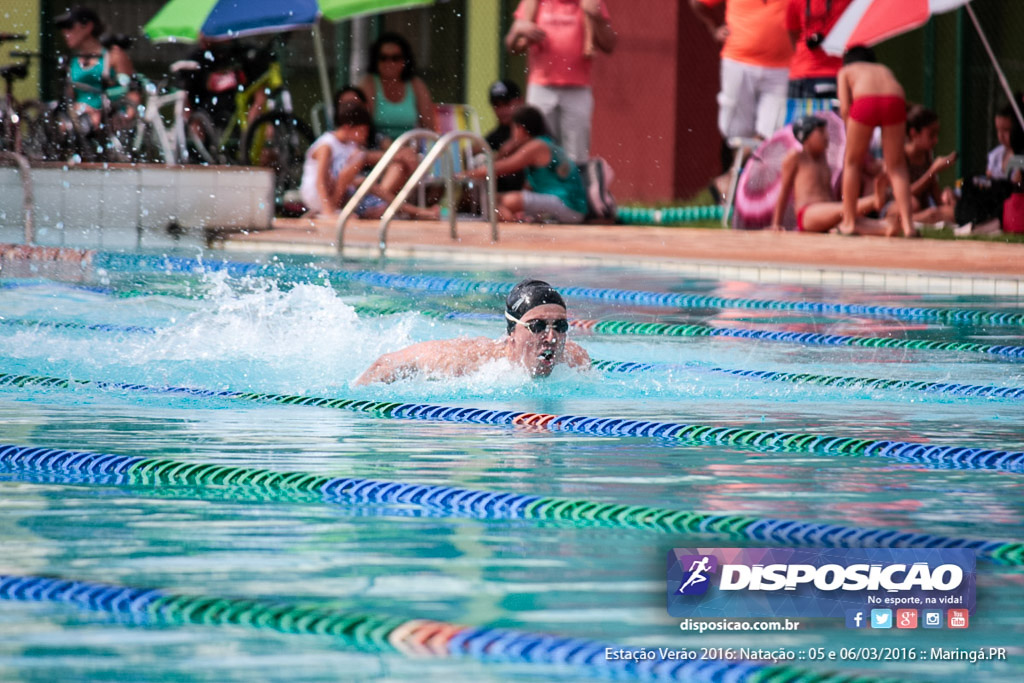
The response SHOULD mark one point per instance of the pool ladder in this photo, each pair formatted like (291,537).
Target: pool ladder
(21,163)
(440,143)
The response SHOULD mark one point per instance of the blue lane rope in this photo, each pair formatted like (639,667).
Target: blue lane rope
(950,457)
(630,367)
(79,466)
(114,261)
(393,634)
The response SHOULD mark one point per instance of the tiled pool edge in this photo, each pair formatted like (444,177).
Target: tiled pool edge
(904,281)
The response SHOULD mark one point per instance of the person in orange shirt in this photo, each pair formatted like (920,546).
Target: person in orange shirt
(755,64)
(812,73)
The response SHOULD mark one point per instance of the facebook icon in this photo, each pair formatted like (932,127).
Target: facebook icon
(855,618)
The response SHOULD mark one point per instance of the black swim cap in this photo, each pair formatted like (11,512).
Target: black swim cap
(526,295)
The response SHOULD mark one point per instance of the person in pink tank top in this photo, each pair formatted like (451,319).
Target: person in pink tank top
(560,37)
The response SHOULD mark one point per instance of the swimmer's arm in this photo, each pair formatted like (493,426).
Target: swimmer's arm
(576,356)
(397,365)
(789,168)
(843,90)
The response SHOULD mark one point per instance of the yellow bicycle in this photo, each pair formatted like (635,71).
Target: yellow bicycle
(261,131)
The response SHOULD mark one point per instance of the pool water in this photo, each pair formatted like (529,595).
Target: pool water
(208,329)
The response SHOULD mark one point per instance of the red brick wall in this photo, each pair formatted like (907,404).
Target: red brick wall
(654,102)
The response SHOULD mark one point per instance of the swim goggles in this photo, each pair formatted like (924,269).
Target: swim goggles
(539,325)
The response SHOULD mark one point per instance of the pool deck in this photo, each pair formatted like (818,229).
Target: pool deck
(923,265)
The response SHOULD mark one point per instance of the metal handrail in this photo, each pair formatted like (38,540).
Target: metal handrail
(26,185)
(446,168)
(375,173)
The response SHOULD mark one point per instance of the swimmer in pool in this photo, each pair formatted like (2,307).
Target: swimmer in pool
(537,326)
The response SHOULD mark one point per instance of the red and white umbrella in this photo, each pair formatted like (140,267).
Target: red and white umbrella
(868,22)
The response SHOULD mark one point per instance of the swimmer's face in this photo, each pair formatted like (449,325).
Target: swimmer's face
(539,352)
(1004,126)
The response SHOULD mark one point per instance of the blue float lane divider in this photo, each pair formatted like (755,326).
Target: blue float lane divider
(78,467)
(954,457)
(116,261)
(629,367)
(420,638)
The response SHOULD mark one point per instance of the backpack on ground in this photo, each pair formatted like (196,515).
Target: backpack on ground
(597,177)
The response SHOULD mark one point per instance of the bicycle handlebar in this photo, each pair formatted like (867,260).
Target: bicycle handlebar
(12,37)
(26,55)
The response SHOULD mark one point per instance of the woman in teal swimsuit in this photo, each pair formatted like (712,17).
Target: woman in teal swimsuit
(398,100)
(94,68)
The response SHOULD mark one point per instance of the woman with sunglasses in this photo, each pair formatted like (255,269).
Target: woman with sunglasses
(535,340)
(398,99)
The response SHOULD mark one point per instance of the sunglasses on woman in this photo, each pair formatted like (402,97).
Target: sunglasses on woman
(391,58)
(539,325)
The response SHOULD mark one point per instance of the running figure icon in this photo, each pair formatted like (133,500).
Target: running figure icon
(697,570)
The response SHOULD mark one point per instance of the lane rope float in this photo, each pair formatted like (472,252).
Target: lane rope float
(953,457)
(392,634)
(633,367)
(77,466)
(438,284)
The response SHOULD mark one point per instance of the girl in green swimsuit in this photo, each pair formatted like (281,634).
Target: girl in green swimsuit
(93,67)
(555,185)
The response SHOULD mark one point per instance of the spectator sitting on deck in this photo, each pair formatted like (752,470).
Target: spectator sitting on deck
(807,177)
(931,203)
(334,163)
(556,186)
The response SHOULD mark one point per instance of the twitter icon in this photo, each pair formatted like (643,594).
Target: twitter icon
(881,618)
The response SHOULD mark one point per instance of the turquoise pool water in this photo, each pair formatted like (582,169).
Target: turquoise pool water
(215,331)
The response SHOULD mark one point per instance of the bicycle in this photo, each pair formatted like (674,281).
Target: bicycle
(18,119)
(275,138)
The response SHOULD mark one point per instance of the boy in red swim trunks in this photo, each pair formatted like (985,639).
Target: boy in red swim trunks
(807,177)
(870,96)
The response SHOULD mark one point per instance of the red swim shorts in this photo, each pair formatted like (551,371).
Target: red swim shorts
(800,218)
(879,110)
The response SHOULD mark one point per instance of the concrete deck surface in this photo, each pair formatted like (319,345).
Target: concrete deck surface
(619,243)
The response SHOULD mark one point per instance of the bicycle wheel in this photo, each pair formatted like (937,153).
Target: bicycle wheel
(203,140)
(145,147)
(279,141)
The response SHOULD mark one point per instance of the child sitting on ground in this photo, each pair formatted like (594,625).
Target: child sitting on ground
(870,96)
(999,158)
(931,204)
(554,181)
(332,170)
(807,177)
